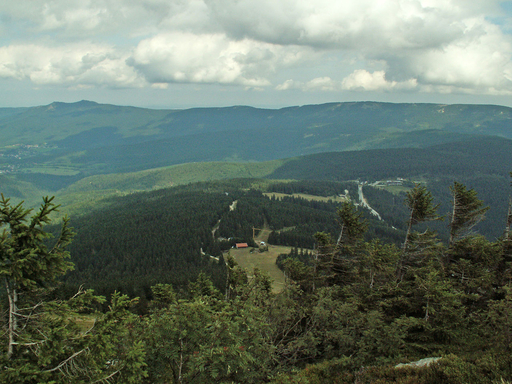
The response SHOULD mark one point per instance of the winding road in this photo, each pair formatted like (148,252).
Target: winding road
(364,203)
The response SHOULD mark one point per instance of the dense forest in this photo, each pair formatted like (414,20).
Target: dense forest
(139,287)
(171,235)
(356,309)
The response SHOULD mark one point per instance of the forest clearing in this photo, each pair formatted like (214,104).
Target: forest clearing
(251,258)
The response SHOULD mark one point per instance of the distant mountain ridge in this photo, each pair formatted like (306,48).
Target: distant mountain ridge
(59,121)
(100,138)
(56,145)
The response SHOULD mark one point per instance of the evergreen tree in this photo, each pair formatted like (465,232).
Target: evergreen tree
(26,261)
(58,341)
(208,340)
(419,202)
(335,260)
(467,211)
(352,226)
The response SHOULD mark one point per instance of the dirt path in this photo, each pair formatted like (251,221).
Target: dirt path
(364,203)
(232,207)
(263,234)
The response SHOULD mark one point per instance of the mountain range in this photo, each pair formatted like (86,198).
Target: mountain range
(47,149)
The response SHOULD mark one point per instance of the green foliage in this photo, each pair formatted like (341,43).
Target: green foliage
(335,371)
(416,245)
(352,224)
(150,238)
(157,237)
(343,316)
(467,211)
(26,260)
(206,339)
(44,341)
(419,202)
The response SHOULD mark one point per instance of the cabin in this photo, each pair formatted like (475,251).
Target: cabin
(241,245)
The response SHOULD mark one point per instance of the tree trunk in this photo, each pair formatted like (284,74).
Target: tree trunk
(452,232)
(12,294)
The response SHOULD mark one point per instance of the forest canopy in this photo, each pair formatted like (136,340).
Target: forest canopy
(350,311)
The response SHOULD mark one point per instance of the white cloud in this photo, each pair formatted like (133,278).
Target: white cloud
(361,24)
(75,64)
(289,84)
(480,60)
(359,80)
(322,84)
(324,46)
(362,80)
(209,58)
(316,84)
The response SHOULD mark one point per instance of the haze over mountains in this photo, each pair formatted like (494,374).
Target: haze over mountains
(53,146)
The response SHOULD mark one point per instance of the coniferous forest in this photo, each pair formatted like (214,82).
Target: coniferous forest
(359,307)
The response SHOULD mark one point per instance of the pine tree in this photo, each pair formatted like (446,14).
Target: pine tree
(467,211)
(57,341)
(26,261)
(335,260)
(419,202)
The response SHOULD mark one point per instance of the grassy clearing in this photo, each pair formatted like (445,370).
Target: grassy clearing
(54,170)
(305,196)
(250,258)
(174,175)
(394,189)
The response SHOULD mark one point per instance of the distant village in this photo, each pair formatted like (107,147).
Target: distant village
(15,153)
(382,183)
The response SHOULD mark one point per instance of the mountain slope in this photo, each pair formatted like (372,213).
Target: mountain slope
(90,138)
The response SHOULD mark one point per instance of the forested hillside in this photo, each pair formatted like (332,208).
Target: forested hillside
(54,146)
(358,310)
(168,235)
(171,235)
(398,217)
(482,164)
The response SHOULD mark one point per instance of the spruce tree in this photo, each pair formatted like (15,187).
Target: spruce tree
(338,259)
(467,211)
(419,202)
(57,341)
(26,261)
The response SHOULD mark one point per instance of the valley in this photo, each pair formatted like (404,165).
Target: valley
(296,252)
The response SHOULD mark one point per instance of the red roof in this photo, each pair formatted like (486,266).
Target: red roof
(242,245)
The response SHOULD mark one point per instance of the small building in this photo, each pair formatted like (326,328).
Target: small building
(241,245)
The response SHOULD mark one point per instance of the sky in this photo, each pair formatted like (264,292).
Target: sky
(263,53)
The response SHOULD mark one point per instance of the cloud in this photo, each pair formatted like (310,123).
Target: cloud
(209,58)
(322,46)
(359,80)
(477,62)
(316,84)
(74,18)
(362,80)
(481,60)
(362,24)
(71,65)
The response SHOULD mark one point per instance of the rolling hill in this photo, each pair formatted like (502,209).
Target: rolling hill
(85,138)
